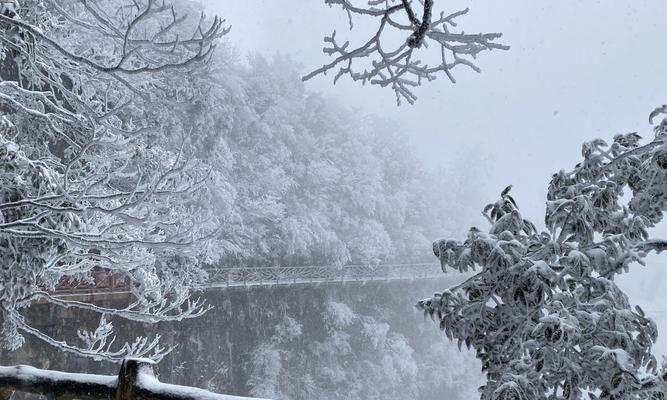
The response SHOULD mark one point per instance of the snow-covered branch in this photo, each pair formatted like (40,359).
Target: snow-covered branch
(91,175)
(543,312)
(403,64)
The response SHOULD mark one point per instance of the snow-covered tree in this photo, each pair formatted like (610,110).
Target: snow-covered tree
(92,176)
(107,108)
(542,312)
(312,181)
(397,54)
(357,357)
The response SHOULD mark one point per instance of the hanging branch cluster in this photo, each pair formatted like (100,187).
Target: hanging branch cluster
(86,179)
(543,312)
(402,66)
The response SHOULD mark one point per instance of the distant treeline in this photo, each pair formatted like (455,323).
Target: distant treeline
(301,179)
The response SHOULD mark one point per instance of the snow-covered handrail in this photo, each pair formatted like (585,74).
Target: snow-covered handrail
(265,276)
(136,381)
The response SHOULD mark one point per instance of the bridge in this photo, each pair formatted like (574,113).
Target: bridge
(108,286)
(270,276)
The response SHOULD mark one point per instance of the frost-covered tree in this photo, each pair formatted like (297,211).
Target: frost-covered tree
(542,312)
(356,357)
(312,181)
(412,43)
(92,175)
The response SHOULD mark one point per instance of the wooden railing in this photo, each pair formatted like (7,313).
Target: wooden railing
(136,381)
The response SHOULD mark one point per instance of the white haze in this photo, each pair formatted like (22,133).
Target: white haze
(576,70)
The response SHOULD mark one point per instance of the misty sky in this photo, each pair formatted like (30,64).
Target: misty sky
(576,70)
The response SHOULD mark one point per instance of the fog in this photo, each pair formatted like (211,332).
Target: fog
(576,70)
(186,201)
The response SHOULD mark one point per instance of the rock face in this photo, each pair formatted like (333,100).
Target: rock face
(214,352)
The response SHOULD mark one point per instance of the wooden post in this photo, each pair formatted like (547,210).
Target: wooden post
(127,377)
(6,394)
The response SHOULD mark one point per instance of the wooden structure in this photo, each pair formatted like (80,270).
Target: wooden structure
(104,286)
(135,381)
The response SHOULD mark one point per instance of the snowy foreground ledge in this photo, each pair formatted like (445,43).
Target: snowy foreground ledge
(136,381)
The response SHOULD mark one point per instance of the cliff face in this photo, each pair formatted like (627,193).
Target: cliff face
(319,339)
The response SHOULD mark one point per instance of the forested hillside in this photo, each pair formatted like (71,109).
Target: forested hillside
(148,155)
(134,150)
(301,179)
(177,196)
(327,342)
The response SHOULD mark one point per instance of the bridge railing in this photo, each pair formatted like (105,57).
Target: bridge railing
(136,381)
(285,275)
